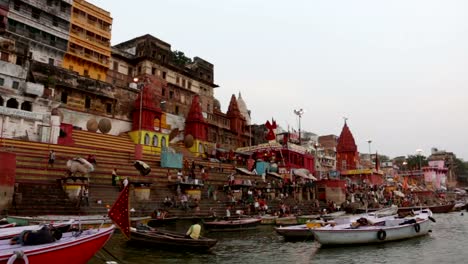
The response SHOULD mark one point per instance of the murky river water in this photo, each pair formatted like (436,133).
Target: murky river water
(448,243)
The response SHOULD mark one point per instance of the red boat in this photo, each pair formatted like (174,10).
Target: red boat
(72,248)
(7,233)
(8,225)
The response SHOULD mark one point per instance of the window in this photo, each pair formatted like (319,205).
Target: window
(163,142)
(200,148)
(189,84)
(36,13)
(153,71)
(4,56)
(139,69)
(177,80)
(109,108)
(64,97)
(130,71)
(183,82)
(51,61)
(12,103)
(49,2)
(147,139)
(177,110)
(99,77)
(1,101)
(87,103)
(116,66)
(86,73)
(2,81)
(164,75)
(70,67)
(155,141)
(163,92)
(171,94)
(15,85)
(55,22)
(17,5)
(26,106)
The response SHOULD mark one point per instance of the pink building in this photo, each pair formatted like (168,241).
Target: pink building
(435,175)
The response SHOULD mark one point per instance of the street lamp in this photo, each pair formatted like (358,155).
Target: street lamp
(141,86)
(370,158)
(299,113)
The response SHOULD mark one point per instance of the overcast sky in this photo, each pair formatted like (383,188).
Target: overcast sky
(397,69)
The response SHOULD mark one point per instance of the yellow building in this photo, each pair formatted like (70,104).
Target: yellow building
(89,47)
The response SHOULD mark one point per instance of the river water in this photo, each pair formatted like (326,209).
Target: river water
(446,244)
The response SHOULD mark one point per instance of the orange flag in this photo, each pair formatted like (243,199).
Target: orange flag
(119,213)
(405,183)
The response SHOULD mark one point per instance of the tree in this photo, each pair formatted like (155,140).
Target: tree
(179,58)
(414,162)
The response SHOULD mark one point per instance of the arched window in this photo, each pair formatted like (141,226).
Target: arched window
(155,141)
(200,148)
(163,142)
(12,103)
(147,139)
(1,101)
(26,106)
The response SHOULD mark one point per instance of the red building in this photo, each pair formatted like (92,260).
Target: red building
(347,156)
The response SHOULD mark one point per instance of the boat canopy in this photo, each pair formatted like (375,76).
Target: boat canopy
(304,173)
(244,171)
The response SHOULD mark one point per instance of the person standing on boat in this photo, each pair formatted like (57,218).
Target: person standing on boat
(194,231)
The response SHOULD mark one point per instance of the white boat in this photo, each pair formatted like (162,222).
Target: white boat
(389,229)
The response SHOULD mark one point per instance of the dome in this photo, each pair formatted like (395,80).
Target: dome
(216,104)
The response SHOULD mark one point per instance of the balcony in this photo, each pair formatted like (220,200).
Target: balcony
(34,88)
(89,57)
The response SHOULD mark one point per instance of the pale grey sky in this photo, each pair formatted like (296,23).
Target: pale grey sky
(397,69)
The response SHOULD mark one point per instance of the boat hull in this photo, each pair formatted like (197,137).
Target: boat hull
(290,220)
(232,225)
(437,209)
(172,241)
(298,232)
(370,235)
(75,251)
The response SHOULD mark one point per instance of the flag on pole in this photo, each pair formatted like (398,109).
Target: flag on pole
(119,213)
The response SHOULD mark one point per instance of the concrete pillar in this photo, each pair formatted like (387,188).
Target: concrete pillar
(55,129)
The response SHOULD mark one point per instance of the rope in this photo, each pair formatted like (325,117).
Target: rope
(110,254)
(18,255)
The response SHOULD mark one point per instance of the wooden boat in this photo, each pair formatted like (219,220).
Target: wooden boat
(268,219)
(171,240)
(436,209)
(7,233)
(333,215)
(287,220)
(299,232)
(154,222)
(72,248)
(390,229)
(88,221)
(233,225)
(302,219)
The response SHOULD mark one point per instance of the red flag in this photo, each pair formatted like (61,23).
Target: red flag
(119,213)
